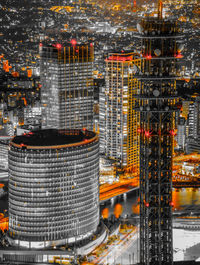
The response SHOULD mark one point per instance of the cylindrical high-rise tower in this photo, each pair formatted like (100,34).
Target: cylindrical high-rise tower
(53,187)
(157,98)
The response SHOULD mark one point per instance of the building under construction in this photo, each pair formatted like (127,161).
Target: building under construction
(118,119)
(67,92)
(157,98)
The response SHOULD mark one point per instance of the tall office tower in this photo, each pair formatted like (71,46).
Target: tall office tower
(67,92)
(193,141)
(53,187)
(181,133)
(118,119)
(157,97)
(102,109)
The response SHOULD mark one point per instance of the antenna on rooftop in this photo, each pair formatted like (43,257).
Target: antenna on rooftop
(160,9)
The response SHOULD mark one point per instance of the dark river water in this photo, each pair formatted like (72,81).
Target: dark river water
(182,198)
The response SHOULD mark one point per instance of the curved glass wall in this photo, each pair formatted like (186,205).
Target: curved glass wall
(53,192)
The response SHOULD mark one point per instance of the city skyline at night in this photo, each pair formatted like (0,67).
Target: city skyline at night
(100,132)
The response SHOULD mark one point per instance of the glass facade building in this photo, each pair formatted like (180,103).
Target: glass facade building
(67,92)
(53,187)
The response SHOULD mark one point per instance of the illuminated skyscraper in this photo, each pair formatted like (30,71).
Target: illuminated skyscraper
(53,187)
(193,141)
(118,120)
(157,98)
(67,92)
(181,133)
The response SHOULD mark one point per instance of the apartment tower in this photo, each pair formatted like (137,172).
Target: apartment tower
(67,92)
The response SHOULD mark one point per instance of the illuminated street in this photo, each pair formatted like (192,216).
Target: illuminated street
(125,249)
(116,249)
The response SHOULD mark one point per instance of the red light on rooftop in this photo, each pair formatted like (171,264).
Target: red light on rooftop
(120,58)
(58,46)
(147,134)
(148,56)
(179,55)
(172,132)
(73,42)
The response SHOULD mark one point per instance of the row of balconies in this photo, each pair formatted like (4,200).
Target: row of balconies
(53,227)
(69,211)
(83,204)
(52,155)
(65,178)
(14,171)
(52,185)
(55,234)
(66,152)
(76,188)
(53,209)
(44,178)
(74,217)
(72,198)
(30,162)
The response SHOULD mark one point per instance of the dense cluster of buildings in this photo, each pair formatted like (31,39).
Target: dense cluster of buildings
(61,125)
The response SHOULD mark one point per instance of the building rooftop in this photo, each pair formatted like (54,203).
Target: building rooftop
(52,138)
(68,50)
